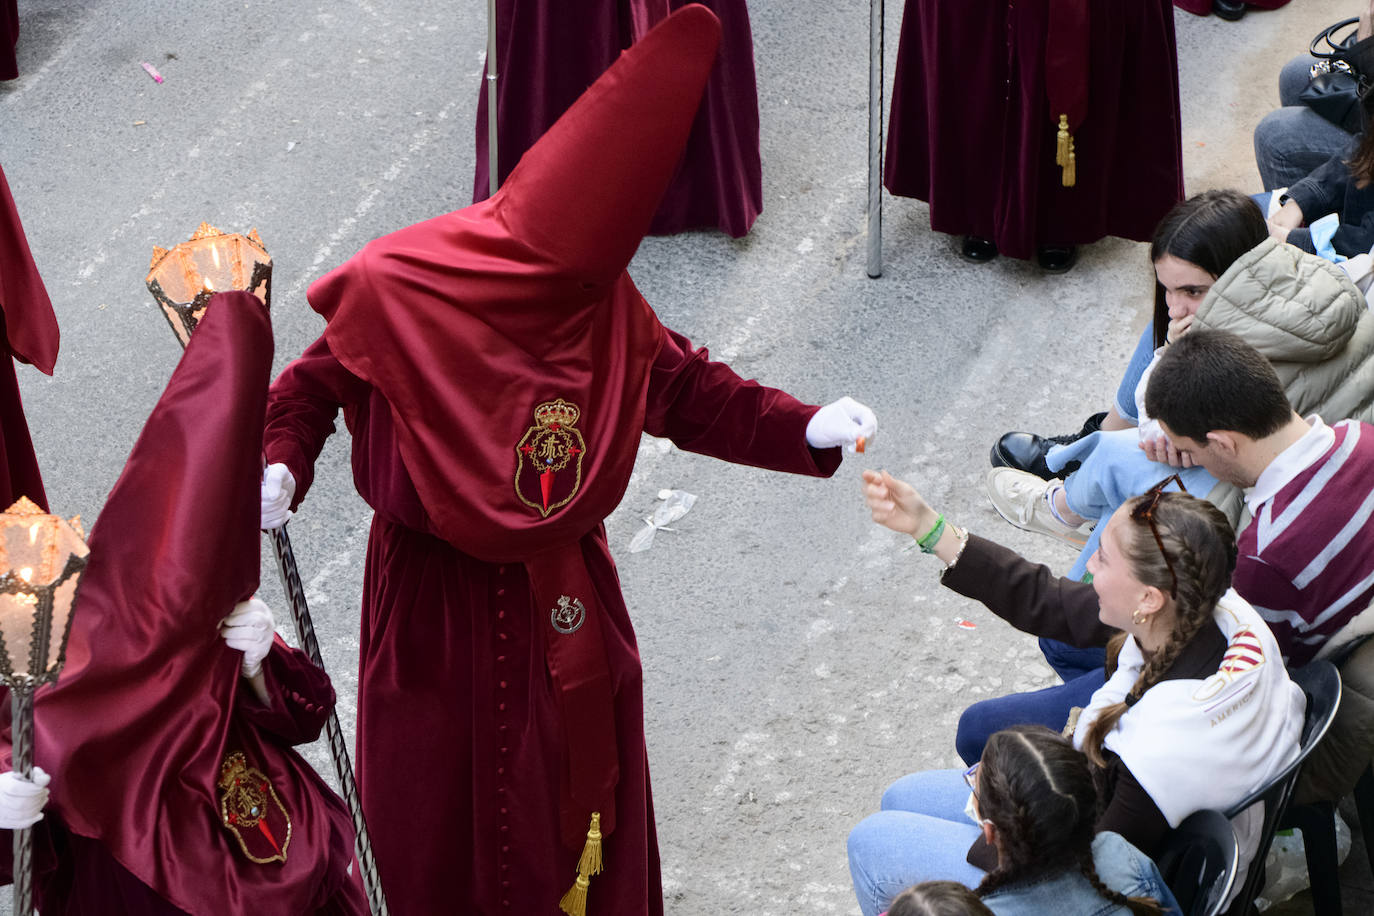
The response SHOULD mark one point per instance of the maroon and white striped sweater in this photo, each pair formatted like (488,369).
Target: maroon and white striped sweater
(1306,562)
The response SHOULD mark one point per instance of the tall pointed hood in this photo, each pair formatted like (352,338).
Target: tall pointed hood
(467,323)
(586,192)
(142,718)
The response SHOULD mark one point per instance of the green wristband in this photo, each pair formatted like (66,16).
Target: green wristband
(932,537)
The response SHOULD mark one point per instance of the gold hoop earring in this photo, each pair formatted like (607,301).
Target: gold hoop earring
(1137,618)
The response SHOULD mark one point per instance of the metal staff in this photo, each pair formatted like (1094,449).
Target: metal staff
(228,254)
(492,176)
(875,138)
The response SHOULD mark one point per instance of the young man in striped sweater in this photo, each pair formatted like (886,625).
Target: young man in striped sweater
(1306,560)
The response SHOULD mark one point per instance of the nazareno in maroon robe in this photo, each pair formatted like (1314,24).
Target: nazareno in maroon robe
(972,132)
(149,705)
(490,727)
(548,52)
(30,335)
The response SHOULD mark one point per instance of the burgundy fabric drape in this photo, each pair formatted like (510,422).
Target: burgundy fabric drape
(144,714)
(971,130)
(549,52)
(31,335)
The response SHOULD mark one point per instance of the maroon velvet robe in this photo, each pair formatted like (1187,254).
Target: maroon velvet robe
(1204,7)
(972,133)
(148,705)
(29,333)
(548,53)
(460,737)
(9,37)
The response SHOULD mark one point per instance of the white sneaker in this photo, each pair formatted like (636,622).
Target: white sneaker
(1019,497)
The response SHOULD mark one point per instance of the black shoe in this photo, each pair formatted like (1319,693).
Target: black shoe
(1228,9)
(1056,259)
(977,250)
(1027,451)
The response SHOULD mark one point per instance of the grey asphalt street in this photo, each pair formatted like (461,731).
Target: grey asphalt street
(797,658)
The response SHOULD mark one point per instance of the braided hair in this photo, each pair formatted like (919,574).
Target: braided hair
(1202,548)
(1040,796)
(938,898)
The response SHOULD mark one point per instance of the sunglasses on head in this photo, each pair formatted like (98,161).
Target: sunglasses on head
(1145,509)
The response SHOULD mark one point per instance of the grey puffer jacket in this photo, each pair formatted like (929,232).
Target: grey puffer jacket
(1311,322)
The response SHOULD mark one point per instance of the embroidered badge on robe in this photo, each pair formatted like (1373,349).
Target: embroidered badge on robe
(250,809)
(548,467)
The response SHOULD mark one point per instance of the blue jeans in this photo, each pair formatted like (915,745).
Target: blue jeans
(1048,707)
(1113,470)
(1140,360)
(1292,141)
(921,834)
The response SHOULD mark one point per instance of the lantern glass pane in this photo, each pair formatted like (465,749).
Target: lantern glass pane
(62,600)
(16,625)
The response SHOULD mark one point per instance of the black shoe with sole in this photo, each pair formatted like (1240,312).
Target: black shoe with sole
(1027,451)
(977,250)
(1230,10)
(1056,259)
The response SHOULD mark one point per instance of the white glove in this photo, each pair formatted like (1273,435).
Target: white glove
(278,489)
(22,800)
(249,629)
(841,423)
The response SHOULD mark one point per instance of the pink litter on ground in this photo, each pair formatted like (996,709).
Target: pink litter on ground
(967,624)
(152,71)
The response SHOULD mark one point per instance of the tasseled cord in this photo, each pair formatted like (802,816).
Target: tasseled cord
(1064,155)
(574,902)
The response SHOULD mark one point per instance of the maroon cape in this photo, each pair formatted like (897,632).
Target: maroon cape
(972,131)
(9,37)
(29,334)
(148,706)
(1204,7)
(549,52)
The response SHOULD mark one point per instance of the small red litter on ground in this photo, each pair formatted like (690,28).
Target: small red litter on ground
(966,624)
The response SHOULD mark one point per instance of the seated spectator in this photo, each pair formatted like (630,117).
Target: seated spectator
(1162,577)
(1032,846)
(1196,242)
(1303,313)
(1330,212)
(1306,562)
(938,898)
(1307,558)
(1293,140)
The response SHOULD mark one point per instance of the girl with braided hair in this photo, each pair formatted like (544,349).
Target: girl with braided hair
(1035,804)
(1198,713)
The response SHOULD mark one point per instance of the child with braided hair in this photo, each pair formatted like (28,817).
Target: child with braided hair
(1198,712)
(1035,804)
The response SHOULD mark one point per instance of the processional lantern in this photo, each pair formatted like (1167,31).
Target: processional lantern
(42,558)
(183,278)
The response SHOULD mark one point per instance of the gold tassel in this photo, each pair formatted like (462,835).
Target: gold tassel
(1061,152)
(574,902)
(1071,167)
